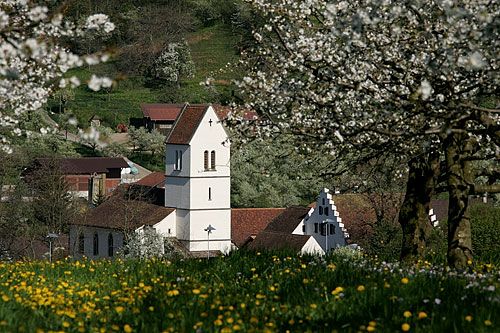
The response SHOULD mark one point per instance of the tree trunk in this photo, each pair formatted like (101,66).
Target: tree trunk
(414,212)
(458,147)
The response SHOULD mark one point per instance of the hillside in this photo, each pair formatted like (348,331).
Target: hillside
(211,49)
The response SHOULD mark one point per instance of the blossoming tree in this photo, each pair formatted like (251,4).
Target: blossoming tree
(33,59)
(404,78)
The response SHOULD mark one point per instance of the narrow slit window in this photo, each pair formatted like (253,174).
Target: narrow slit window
(315,228)
(209,193)
(212,160)
(205,159)
(96,244)
(110,245)
(320,210)
(81,243)
(303,228)
(332,229)
(326,211)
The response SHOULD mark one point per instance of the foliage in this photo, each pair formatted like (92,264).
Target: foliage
(247,292)
(173,64)
(143,140)
(271,174)
(485,231)
(147,243)
(34,59)
(52,204)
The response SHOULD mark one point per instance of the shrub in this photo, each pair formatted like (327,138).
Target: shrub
(485,221)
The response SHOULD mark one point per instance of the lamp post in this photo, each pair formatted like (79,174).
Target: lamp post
(209,230)
(51,237)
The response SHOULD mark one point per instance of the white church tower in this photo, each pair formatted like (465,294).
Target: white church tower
(198,179)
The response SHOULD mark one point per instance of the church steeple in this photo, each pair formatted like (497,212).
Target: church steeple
(198,178)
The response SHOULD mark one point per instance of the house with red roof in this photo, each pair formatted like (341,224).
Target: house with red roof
(161,117)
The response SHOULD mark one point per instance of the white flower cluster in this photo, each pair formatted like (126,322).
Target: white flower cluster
(96,83)
(32,61)
(371,74)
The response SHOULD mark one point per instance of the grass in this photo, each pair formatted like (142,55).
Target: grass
(211,49)
(247,292)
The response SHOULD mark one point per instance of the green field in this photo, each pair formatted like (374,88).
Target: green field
(249,292)
(211,49)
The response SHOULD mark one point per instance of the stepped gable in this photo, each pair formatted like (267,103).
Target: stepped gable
(186,124)
(121,211)
(161,111)
(247,223)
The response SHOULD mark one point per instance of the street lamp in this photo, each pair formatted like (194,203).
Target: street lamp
(325,223)
(51,237)
(209,230)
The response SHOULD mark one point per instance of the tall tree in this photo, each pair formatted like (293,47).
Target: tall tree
(405,78)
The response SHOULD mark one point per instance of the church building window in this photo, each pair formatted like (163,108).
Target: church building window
(209,193)
(178,160)
(96,244)
(110,245)
(326,211)
(81,243)
(205,159)
(316,228)
(212,160)
(332,229)
(320,210)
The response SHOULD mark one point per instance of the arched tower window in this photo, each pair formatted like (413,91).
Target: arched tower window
(212,160)
(81,243)
(320,210)
(110,245)
(96,244)
(326,211)
(205,159)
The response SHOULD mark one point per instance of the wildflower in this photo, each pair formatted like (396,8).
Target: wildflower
(437,301)
(405,327)
(370,328)
(405,280)
(360,288)
(372,323)
(119,309)
(127,328)
(337,290)
(196,291)
(422,315)
(65,324)
(487,322)
(217,322)
(313,306)
(468,318)
(407,314)
(5,298)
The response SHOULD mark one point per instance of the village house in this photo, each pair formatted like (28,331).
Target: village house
(87,177)
(196,205)
(160,117)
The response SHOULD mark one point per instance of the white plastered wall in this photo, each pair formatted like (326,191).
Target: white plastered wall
(312,247)
(326,205)
(88,233)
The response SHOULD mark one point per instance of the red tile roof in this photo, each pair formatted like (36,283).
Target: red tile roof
(248,222)
(186,124)
(155,179)
(267,240)
(85,165)
(162,111)
(122,212)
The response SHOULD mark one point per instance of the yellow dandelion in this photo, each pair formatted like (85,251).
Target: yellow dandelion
(313,306)
(119,309)
(360,288)
(236,327)
(5,298)
(407,314)
(196,291)
(405,280)
(405,327)
(488,322)
(370,329)
(65,324)
(372,323)
(422,315)
(127,328)
(217,322)
(468,318)
(337,290)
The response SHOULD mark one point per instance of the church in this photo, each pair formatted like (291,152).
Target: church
(191,203)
